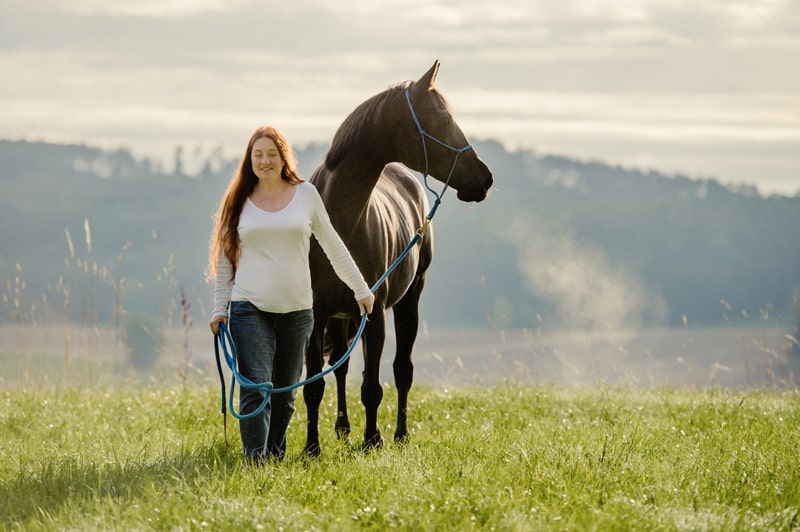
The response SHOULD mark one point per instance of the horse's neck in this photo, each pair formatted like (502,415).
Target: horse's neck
(348,186)
(346,190)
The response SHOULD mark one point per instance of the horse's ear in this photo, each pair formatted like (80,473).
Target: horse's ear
(429,78)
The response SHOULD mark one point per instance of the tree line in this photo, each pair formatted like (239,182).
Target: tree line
(560,242)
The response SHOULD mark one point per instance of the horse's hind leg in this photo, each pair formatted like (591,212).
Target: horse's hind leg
(406,324)
(337,343)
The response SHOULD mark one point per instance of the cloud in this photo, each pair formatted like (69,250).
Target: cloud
(635,35)
(591,78)
(749,14)
(146,8)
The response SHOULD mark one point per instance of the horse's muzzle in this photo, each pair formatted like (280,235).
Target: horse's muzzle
(476,194)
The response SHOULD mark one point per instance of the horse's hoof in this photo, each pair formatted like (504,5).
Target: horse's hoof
(400,436)
(312,450)
(373,442)
(342,431)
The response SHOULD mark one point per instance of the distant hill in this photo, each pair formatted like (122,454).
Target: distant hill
(560,242)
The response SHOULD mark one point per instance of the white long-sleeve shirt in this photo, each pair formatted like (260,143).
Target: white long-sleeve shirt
(273,271)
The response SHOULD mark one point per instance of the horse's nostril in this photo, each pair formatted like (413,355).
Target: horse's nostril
(488,184)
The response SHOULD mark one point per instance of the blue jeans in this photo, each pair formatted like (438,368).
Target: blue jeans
(269,347)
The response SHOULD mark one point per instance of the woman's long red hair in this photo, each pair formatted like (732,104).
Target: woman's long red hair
(225,238)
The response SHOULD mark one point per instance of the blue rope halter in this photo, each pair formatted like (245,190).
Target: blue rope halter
(425,135)
(224,341)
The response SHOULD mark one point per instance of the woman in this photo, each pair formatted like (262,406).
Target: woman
(259,258)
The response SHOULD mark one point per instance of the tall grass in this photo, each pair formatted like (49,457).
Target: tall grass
(506,458)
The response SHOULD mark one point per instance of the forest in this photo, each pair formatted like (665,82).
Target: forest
(559,243)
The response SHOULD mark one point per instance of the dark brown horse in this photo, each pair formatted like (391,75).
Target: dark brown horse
(377,206)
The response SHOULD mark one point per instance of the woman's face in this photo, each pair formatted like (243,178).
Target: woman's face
(266,159)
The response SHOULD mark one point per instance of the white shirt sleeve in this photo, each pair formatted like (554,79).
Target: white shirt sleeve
(222,286)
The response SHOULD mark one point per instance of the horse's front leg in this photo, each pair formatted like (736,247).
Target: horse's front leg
(406,324)
(313,391)
(371,390)
(337,344)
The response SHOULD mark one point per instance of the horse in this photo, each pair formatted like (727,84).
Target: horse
(377,205)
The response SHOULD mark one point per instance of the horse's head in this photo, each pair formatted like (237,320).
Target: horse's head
(441,149)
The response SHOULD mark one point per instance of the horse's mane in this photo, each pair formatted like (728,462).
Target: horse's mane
(352,129)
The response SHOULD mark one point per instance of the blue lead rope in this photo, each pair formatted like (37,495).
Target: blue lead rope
(224,342)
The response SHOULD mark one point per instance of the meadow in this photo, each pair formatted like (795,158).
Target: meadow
(503,458)
(136,451)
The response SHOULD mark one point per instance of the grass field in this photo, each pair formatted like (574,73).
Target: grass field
(506,457)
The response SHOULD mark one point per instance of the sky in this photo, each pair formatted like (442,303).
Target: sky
(707,89)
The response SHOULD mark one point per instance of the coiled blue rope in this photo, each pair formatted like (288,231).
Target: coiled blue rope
(224,340)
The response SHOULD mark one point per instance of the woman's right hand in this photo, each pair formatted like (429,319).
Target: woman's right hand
(215,321)
(365,304)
